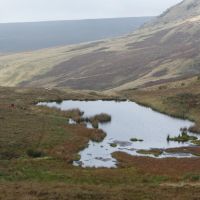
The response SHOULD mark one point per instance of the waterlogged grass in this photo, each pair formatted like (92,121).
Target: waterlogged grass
(99,118)
(183,137)
(102,118)
(154,152)
(74,113)
(196,142)
(195,151)
(136,140)
(77,116)
(95,123)
(113,145)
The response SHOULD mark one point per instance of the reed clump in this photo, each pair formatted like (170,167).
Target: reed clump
(183,137)
(100,118)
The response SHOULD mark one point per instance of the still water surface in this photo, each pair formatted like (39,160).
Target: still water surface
(129,120)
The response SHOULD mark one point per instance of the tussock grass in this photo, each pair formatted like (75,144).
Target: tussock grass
(34,153)
(183,137)
(136,140)
(99,118)
(94,120)
(155,152)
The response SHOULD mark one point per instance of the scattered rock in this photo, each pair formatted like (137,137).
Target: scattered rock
(122,143)
(78,163)
(136,140)
(113,145)
(103,159)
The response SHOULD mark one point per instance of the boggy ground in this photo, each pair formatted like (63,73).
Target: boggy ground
(23,126)
(179,99)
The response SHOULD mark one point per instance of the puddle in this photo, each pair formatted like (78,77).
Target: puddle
(129,120)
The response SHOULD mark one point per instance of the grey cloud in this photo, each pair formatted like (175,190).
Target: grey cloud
(42,10)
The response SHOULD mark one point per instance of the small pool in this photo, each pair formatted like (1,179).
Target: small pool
(129,120)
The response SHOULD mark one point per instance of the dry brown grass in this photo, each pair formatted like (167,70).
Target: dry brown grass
(171,167)
(36,191)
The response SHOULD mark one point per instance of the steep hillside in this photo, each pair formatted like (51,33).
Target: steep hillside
(164,50)
(184,10)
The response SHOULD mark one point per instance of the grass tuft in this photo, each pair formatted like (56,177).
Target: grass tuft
(183,137)
(113,145)
(136,140)
(34,153)
(155,152)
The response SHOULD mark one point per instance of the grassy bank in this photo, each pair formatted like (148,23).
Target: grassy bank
(178,99)
(50,175)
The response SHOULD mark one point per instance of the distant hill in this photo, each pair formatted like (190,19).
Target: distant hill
(164,50)
(16,37)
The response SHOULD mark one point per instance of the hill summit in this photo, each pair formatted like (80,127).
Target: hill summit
(183,10)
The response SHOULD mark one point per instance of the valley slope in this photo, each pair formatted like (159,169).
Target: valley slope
(164,50)
(29,36)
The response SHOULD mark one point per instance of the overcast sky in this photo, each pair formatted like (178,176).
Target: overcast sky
(45,10)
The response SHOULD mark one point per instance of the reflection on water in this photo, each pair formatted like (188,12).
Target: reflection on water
(129,120)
